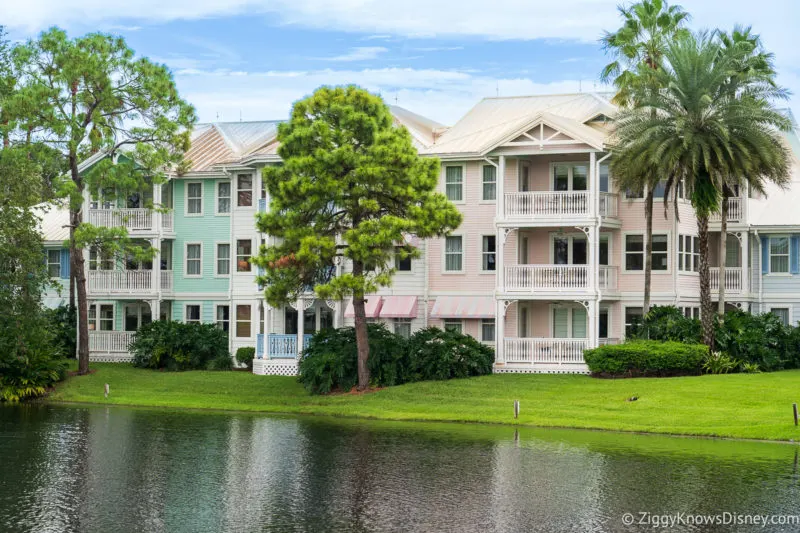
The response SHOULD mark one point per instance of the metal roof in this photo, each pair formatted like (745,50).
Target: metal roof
(53,222)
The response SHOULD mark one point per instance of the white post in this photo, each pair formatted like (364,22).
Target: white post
(500,333)
(156,272)
(593,262)
(500,189)
(156,215)
(592,322)
(594,187)
(300,324)
(745,259)
(155,309)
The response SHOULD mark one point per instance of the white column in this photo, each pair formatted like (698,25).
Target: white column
(594,187)
(745,258)
(592,322)
(156,272)
(500,274)
(500,333)
(157,214)
(337,305)
(501,187)
(593,262)
(300,324)
(155,309)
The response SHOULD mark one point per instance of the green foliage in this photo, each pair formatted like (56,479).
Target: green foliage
(667,323)
(330,361)
(646,358)
(435,354)
(179,346)
(62,324)
(760,339)
(750,368)
(245,356)
(719,363)
(222,361)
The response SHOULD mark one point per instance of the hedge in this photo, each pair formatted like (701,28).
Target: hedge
(646,358)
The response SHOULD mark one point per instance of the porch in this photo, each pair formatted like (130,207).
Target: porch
(113,326)
(135,220)
(116,282)
(736,262)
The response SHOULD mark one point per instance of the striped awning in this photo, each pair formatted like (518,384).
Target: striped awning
(399,307)
(372,308)
(463,307)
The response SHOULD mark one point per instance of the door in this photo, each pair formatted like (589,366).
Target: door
(524,176)
(136,315)
(570,250)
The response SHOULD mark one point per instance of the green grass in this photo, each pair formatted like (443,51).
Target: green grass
(755,406)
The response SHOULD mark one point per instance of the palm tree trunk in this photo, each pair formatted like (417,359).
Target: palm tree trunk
(362,340)
(706,306)
(648,249)
(723,251)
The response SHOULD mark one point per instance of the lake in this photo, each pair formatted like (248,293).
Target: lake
(119,470)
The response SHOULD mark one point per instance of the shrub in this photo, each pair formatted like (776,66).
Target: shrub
(760,339)
(222,361)
(330,361)
(646,358)
(435,354)
(750,368)
(62,323)
(178,346)
(245,356)
(719,363)
(667,323)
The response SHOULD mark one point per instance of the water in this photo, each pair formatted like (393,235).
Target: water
(118,470)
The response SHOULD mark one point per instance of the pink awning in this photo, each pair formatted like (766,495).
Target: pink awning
(372,308)
(463,307)
(399,307)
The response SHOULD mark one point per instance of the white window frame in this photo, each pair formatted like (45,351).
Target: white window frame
(463,181)
(693,254)
(600,309)
(786,306)
(57,252)
(186,259)
(199,305)
(217,258)
(788,255)
(570,318)
(625,323)
(396,258)
(96,321)
(235,320)
(453,321)
(463,255)
(691,311)
(401,321)
(571,237)
(186,198)
(217,198)
(624,252)
(570,175)
(484,182)
(217,321)
(235,253)
(485,253)
(484,323)
(523,163)
(253,201)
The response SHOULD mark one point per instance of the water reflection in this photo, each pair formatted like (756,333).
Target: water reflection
(119,470)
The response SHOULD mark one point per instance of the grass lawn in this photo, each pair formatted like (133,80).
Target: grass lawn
(756,406)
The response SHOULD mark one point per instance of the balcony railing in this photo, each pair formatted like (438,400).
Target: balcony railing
(546,204)
(547,277)
(609,203)
(733,279)
(547,351)
(141,220)
(279,346)
(166,280)
(607,278)
(127,281)
(110,341)
(735,211)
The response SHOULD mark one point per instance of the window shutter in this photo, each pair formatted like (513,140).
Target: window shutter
(794,254)
(64,263)
(579,323)
(764,255)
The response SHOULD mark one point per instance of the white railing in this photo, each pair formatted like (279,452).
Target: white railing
(608,204)
(607,278)
(553,277)
(120,281)
(110,341)
(131,219)
(733,278)
(284,346)
(166,280)
(610,340)
(735,212)
(168,221)
(546,204)
(552,351)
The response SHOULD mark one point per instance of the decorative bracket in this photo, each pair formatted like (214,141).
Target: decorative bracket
(506,233)
(738,236)
(584,229)
(584,303)
(331,304)
(506,304)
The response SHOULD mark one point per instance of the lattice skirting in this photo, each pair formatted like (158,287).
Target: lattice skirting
(541,369)
(110,358)
(263,367)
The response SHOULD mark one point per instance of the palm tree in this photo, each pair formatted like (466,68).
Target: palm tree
(750,63)
(637,48)
(704,126)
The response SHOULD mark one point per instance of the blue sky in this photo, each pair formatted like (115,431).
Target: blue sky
(253,58)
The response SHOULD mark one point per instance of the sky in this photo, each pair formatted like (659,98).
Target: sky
(250,59)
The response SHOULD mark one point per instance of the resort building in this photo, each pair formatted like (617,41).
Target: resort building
(548,261)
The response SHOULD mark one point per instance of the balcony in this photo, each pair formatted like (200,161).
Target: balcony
(545,351)
(553,206)
(733,279)
(735,211)
(609,205)
(279,346)
(127,281)
(607,278)
(526,278)
(110,341)
(134,220)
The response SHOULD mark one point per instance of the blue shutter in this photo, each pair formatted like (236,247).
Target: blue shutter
(764,255)
(64,263)
(794,254)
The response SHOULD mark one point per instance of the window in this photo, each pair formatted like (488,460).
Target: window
(223,259)
(244,190)
(244,250)
(688,253)
(106,261)
(660,252)
(453,325)
(569,322)
(691,312)
(524,176)
(489,182)
(243,320)
(289,321)
(453,253)
(224,317)
(488,255)
(631,194)
(192,313)
(602,326)
(402,327)
(194,198)
(454,183)
(633,317)
(782,313)
(634,252)
(523,322)
(223,197)
(54,263)
(604,180)
(779,255)
(106,317)
(401,264)
(194,259)
(487,330)
(570,177)
(660,189)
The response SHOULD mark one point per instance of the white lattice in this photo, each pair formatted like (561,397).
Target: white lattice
(541,370)
(274,368)
(110,358)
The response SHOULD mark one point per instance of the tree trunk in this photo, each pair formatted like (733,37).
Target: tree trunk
(648,249)
(706,306)
(362,340)
(723,250)
(77,270)
(71,282)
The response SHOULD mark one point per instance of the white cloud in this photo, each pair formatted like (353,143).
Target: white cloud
(359,53)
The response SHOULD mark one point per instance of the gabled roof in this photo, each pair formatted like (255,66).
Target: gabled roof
(226,142)
(422,129)
(494,120)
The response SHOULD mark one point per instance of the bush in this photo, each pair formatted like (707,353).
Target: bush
(330,361)
(245,356)
(667,323)
(760,339)
(178,346)
(719,363)
(221,362)
(435,354)
(646,358)
(62,323)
